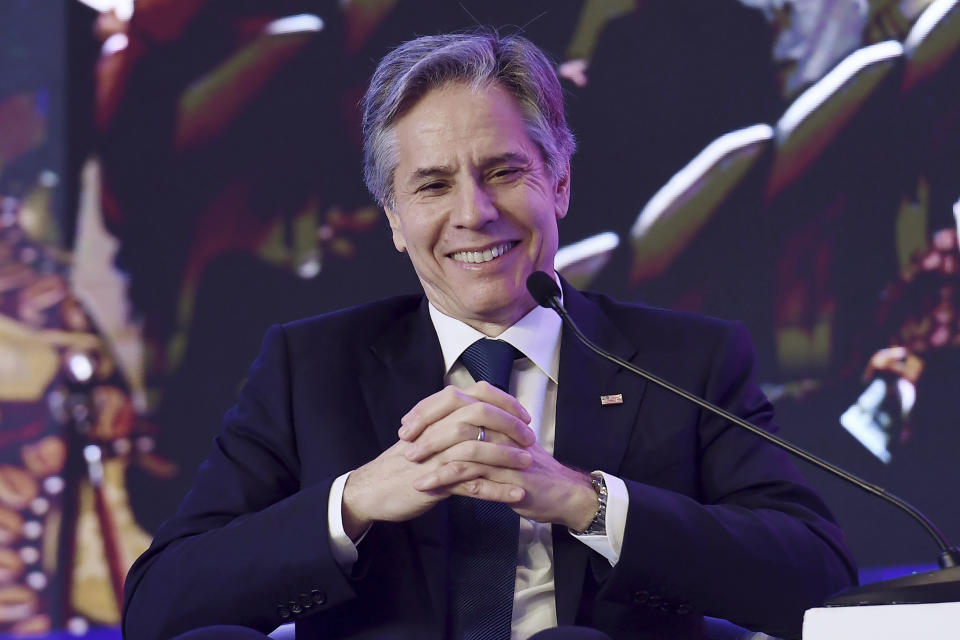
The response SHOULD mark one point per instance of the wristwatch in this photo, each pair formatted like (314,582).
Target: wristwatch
(597,526)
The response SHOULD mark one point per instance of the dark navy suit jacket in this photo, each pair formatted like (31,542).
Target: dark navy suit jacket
(719,522)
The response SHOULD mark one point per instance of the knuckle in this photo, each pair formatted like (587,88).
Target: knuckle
(488,413)
(521,430)
(473,487)
(468,431)
(451,393)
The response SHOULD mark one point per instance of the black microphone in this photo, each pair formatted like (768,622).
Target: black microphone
(942,585)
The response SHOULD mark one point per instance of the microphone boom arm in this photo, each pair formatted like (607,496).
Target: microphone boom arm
(948,556)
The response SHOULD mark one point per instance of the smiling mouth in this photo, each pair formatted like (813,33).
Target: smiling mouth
(479,257)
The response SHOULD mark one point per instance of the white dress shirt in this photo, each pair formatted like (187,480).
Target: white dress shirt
(533,382)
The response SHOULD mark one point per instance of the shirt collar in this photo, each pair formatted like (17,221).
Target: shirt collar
(536,335)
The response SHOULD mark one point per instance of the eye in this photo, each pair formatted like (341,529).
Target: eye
(432,187)
(504,173)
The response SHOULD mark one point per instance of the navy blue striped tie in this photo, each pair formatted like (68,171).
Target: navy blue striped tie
(483,556)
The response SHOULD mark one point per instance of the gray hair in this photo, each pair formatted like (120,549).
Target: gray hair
(478,59)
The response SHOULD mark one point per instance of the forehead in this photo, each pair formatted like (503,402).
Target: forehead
(458,123)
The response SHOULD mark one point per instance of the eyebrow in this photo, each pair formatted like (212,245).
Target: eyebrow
(443,171)
(507,157)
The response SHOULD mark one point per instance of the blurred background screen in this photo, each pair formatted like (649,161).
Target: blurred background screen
(177,175)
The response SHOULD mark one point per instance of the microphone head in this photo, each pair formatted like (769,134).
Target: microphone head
(543,288)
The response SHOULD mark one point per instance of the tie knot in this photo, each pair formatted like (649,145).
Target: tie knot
(490,360)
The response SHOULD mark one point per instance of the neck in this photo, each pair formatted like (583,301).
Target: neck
(491,326)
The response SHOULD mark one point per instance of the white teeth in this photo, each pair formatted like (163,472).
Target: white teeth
(477,257)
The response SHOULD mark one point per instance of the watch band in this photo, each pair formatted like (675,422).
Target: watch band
(597,526)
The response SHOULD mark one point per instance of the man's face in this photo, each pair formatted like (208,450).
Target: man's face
(475,206)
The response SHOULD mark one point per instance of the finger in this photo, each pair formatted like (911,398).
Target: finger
(464,425)
(475,484)
(448,475)
(444,402)
(496,420)
(472,459)
(477,460)
(486,392)
(447,433)
(485,489)
(431,409)
(502,456)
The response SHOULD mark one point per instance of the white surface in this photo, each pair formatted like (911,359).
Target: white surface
(925,24)
(592,247)
(300,23)
(939,621)
(811,99)
(687,178)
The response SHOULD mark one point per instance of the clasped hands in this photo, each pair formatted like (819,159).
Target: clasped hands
(439,455)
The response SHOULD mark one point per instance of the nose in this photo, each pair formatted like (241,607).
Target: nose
(475,207)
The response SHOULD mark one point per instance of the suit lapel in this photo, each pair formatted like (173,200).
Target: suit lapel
(589,435)
(404,366)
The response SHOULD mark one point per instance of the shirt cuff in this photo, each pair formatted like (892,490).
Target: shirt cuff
(610,545)
(343,548)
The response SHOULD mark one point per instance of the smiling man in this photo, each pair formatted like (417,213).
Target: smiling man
(442,466)
(474,204)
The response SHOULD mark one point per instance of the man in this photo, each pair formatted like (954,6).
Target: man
(352,486)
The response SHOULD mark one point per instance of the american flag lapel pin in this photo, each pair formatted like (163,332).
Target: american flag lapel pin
(615,398)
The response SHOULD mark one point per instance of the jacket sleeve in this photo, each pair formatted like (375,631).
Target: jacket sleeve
(248,544)
(744,538)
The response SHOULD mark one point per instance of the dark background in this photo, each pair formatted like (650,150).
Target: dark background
(229,174)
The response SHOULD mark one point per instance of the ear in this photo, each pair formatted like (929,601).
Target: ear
(394,220)
(562,193)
